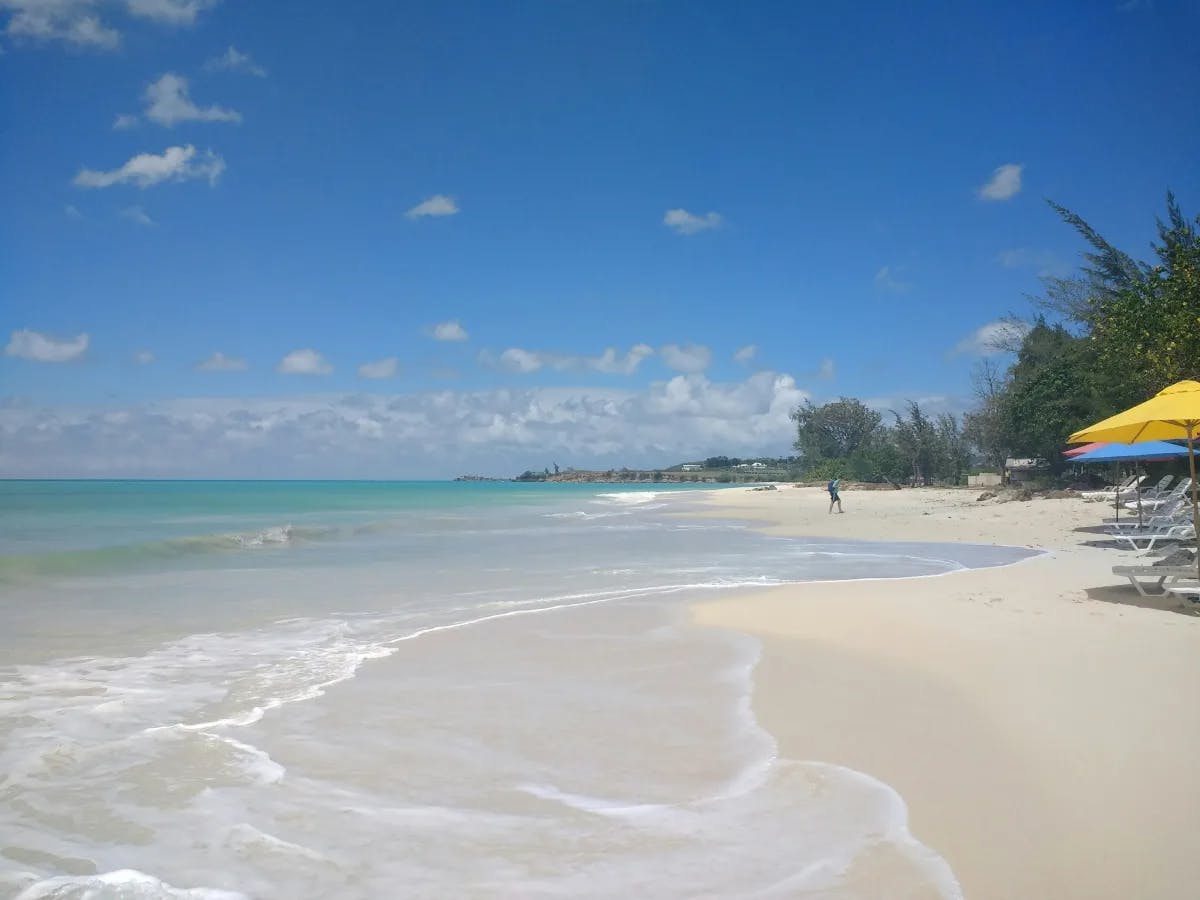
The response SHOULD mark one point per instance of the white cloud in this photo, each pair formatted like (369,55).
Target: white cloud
(1043,262)
(514,359)
(137,214)
(888,279)
(745,354)
(144,357)
(35,346)
(169,12)
(219,362)
(995,337)
(435,434)
(147,169)
(689,358)
(168,102)
(70,21)
(1004,184)
(124,122)
(77,23)
(304,362)
(72,212)
(826,371)
(437,205)
(233,60)
(384,368)
(610,362)
(684,222)
(449,331)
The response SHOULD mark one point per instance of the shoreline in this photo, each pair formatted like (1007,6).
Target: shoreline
(1033,718)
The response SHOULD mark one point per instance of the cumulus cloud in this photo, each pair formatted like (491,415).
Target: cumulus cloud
(1000,336)
(1005,183)
(384,368)
(144,357)
(449,331)
(888,279)
(304,362)
(219,362)
(77,23)
(435,434)
(610,362)
(169,12)
(124,122)
(69,21)
(684,222)
(38,347)
(514,359)
(146,169)
(437,205)
(168,102)
(745,354)
(689,358)
(137,214)
(233,60)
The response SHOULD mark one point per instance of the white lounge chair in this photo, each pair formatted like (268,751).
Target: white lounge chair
(1181,491)
(1189,591)
(1158,535)
(1111,494)
(1176,513)
(1167,577)
(1131,499)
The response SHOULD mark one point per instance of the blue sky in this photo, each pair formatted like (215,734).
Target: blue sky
(401,239)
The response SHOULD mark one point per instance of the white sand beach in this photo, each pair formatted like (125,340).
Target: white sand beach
(1041,720)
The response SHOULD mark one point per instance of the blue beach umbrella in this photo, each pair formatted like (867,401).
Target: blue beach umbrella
(1147,451)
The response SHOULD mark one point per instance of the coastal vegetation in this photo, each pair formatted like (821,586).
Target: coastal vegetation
(1106,337)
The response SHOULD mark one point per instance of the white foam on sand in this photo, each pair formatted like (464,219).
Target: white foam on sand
(123,884)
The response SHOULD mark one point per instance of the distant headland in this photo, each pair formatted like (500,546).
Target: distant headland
(713,470)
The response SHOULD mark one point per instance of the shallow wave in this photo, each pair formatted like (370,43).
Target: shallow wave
(151,553)
(125,884)
(627,498)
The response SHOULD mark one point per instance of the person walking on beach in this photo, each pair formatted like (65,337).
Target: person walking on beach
(832,487)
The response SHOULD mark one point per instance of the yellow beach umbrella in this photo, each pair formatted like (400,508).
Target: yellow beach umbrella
(1172,413)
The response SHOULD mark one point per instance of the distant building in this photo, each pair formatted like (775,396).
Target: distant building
(1023,469)
(984,479)
(691,467)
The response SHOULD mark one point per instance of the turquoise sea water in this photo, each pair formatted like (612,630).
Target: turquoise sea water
(55,527)
(411,689)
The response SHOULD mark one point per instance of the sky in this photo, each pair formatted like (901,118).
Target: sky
(416,240)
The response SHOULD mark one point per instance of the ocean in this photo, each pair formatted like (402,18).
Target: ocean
(413,689)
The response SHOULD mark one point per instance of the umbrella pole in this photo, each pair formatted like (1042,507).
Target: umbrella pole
(1195,504)
(1139,493)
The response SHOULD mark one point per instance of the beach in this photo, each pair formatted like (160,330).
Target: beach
(1039,719)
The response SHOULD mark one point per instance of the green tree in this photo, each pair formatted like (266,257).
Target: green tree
(985,428)
(835,430)
(1147,336)
(915,435)
(1052,391)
